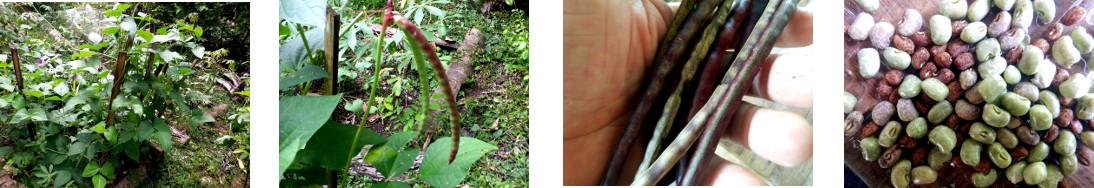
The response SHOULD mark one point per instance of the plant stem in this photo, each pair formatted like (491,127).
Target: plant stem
(378,52)
(757,48)
(656,78)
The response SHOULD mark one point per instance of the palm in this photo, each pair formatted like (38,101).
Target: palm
(608,47)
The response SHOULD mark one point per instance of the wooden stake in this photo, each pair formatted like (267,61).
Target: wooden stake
(331,48)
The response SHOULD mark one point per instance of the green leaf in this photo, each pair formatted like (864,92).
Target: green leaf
(53,98)
(33,93)
(110,30)
(162,30)
(77,148)
(390,184)
(355,106)
(99,181)
(307,12)
(198,31)
(82,54)
(301,116)
(6,151)
(287,155)
(145,34)
(436,170)
(112,13)
(306,74)
(145,130)
(282,30)
(169,56)
(62,178)
(434,11)
(294,51)
(111,135)
(122,7)
(91,169)
(332,146)
(55,158)
(398,140)
(108,169)
(92,47)
(164,140)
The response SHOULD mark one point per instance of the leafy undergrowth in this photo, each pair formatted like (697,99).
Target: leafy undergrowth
(493,101)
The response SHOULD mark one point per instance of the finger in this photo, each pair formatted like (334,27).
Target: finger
(785,79)
(782,137)
(667,10)
(729,174)
(799,31)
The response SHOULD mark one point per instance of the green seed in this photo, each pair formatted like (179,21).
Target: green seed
(940,111)
(995,116)
(868,5)
(1068,164)
(899,175)
(943,137)
(1083,41)
(849,101)
(1014,172)
(1034,173)
(917,128)
(909,87)
(889,134)
(941,29)
(1065,144)
(1053,176)
(870,149)
(1023,14)
(1045,10)
(970,152)
(987,49)
(937,157)
(975,31)
(1050,101)
(1064,51)
(954,9)
(898,59)
(1039,118)
(982,133)
(999,155)
(1011,75)
(868,62)
(1088,138)
(1006,137)
(984,179)
(977,10)
(1016,104)
(1004,5)
(935,89)
(1038,152)
(991,88)
(1075,86)
(1031,59)
(922,175)
(1084,107)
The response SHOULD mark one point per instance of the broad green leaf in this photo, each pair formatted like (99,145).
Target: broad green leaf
(307,12)
(332,145)
(82,54)
(112,13)
(54,157)
(202,118)
(169,56)
(436,170)
(91,169)
(287,155)
(390,184)
(6,151)
(94,37)
(77,148)
(62,178)
(33,93)
(111,135)
(293,52)
(162,30)
(434,11)
(164,140)
(398,140)
(145,130)
(306,74)
(110,30)
(92,47)
(99,181)
(108,169)
(145,34)
(38,114)
(282,30)
(122,7)
(199,51)
(128,25)
(355,106)
(198,31)
(301,116)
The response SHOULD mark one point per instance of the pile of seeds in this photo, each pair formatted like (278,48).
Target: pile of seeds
(974,101)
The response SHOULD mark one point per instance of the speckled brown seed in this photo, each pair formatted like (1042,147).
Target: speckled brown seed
(1074,16)
(919,57)
(1013,55)
(903,44)
(945,75)
(964,61)
(955,90)
(1066,115)
(958,27)
(943,60)
(893,77)
(884,90)
(921,39)
(928,71)
(869,130)
(1051,134)
(957,47)
(1041,44)
(1061,76)
(1054,31)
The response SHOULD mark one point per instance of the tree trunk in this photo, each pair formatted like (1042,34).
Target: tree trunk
(458,70)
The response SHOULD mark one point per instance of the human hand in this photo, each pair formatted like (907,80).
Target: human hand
(608,47)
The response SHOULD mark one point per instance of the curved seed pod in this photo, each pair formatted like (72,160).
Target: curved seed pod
(424,51)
